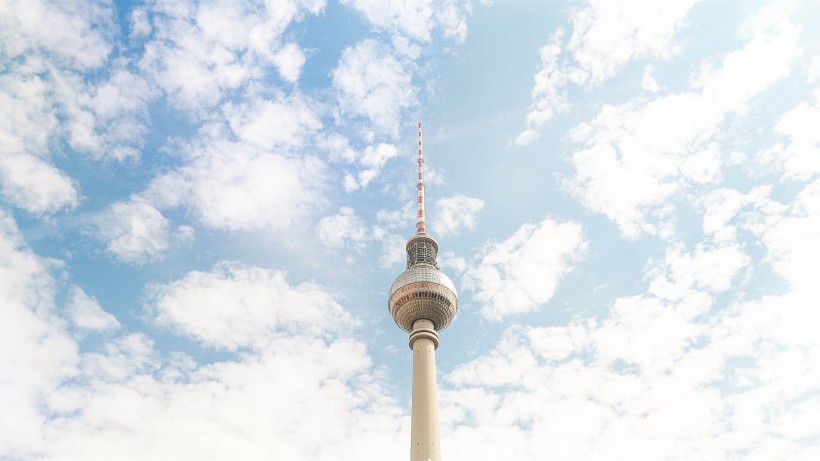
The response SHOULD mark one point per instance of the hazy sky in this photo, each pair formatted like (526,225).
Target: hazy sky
(203,205)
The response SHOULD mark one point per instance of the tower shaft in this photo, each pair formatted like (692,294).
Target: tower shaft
(424,431)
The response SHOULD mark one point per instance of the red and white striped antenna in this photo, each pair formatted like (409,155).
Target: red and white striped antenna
(421,224)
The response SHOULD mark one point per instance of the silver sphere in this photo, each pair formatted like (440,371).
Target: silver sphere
(423,292)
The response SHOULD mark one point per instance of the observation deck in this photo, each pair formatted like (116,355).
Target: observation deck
(422,291)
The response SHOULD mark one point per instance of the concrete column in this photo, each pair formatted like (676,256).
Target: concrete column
(424,431)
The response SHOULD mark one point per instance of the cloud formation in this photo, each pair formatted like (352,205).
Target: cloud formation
(456,212)
(127,396)
(374,83)
(521,273)
(250,184)
(633,159)
(87,314)
(235,307)
(605,37)
(416,19)
(133,231)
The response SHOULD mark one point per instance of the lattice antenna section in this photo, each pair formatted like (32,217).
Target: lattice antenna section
(421,223)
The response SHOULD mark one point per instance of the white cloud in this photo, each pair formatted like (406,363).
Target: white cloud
(706,269)
(236,185)
(671,373)
(742,73)
(373,83)
(800,157)
(35,351)
(249,174)
(272,124)
(605,37)
(392,229)
(297,398)
(86,312)
(635,157)
(307,391)
(28,119)
(416,19)
(199,53)
(116,112)
(99,117)
(790,233)
(648,83)
(134,231)
(455,212)
(406,16)
(452,17)
(521,273)
(371,163)
(393,251)
(341,228)
(74,34)
(35,185)
(48,98)
(289,60)
(120,359)
(402,219)
(338,148)
(548,96)
(235,306)
(656,378)
(184,235)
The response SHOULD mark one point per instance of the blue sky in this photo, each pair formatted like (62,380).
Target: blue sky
(203,205)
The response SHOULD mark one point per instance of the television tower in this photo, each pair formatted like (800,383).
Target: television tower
(423,301)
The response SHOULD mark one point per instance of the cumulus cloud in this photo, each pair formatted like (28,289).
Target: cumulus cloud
(799,157)
(605,37)
(75,36)
(251,190)
(393,251)
(134,231)
(789,232)
(272,124)
(412,18)
(86,313)
(289,61)
(298,398)
(34,348)
(234,306)
(53,91)
(373,83)
(234,185)
(338,148)
(548,96)
(521,273)
(655,367)
(36,186)
(127,396)
(200,52)
(456,212)
(634,157)
(371,163)
(675,364)
(416,19)
(115,112)
(341,228)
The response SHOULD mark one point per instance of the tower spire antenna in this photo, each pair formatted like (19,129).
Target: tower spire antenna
(421,223)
